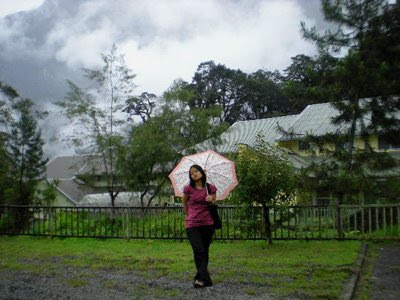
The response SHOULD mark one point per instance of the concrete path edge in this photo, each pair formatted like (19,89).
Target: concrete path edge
(350,286)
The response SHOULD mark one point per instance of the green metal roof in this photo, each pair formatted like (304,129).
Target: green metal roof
(316,119)
(245,132)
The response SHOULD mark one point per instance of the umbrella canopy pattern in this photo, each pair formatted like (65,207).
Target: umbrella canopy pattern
(220,171)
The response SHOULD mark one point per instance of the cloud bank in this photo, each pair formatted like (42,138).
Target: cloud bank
(43,43)
(162,40)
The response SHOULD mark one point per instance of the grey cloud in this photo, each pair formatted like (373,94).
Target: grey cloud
(37,51)
(41,48)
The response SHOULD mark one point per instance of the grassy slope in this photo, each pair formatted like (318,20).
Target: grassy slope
(289,268)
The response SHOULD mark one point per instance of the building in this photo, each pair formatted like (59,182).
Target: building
(80,183)
(80,177)
(289,134)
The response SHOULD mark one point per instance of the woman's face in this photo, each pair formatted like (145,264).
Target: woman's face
(195,174)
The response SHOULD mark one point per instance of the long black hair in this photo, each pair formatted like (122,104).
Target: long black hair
(203,178)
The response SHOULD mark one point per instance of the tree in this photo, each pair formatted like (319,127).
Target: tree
(99,113)
(157,144)
(361,73)
(263,96)
(265,178)
(215,85)
(21,148)
(22,160)
(352,19)
(7,95)
(6,119)
(26,149)
(49,193)
(305,79)
(5,172)
(380,53)
(240,96)
(142,106)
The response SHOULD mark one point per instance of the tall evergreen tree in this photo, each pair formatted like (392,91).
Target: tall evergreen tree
(380,53)
(7,93)
(26,149)
(361,73)
(5,173)
(22,162)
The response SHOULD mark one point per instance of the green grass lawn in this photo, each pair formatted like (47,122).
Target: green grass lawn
(316,269)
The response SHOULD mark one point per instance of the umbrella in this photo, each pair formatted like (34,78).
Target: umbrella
(220,171)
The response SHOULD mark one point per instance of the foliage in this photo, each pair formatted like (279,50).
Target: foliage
(263,96)
(142,106)
(49,194)
(99,113)
(217,85)
(7,93)
(363,72)
(5,174)
(25,165)
(385,192)
(25,146)
(238,95)
(153,149)
(379,52)
(28,163)
(21,153)
(157,144)
(265,177)
(305,79)
(351,18)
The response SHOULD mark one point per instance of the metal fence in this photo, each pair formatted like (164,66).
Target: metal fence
(287,223)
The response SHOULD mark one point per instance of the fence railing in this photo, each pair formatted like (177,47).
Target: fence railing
(287,223)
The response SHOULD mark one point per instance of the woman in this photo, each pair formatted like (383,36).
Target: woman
(197,196)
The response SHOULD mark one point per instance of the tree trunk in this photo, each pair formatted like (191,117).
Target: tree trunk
(352,135)
(267,222)
(339,201)
(112,196)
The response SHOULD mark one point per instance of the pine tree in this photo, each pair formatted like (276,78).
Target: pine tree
(363,73)
(5,172)
(26,149)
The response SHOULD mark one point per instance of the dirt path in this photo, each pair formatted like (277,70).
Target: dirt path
(386,274)
(85,283)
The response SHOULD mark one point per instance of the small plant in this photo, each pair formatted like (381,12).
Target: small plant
(265,178)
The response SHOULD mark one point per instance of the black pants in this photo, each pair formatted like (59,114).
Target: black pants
(200,239)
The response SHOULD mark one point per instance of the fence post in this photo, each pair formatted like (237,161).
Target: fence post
(339,222)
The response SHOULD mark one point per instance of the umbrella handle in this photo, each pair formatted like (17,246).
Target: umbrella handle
(207,187)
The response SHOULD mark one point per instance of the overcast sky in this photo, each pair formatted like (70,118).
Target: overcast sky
(45,42)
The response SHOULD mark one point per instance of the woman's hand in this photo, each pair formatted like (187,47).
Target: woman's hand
(211,199)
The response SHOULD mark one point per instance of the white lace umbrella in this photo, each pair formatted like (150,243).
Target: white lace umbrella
(220,171)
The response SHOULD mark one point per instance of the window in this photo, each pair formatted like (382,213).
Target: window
(323,197)
(342,145)
(304,146)
(384,144)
